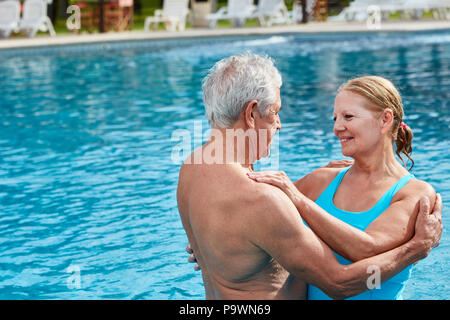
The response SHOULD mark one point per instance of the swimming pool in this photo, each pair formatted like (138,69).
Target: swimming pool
(87,182)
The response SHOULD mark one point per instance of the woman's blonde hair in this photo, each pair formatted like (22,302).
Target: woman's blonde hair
(383,94)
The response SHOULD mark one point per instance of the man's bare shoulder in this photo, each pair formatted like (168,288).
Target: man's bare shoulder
(274,221)
(266,193)
(253,194)
(269,205)
(313,184)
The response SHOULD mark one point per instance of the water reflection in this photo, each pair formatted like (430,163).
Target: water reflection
(85,148)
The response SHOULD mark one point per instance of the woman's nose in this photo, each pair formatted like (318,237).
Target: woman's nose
(338,125)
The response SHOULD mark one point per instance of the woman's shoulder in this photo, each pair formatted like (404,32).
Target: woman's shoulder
(416,189)
(313,184)
(417,185)
(324,174)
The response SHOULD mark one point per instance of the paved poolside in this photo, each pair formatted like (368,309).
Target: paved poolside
(312,27)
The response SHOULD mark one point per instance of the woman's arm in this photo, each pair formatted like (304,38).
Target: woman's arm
(278,231)
(394,227)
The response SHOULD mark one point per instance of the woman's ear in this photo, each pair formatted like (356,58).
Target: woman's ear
(387,120)
(250,114)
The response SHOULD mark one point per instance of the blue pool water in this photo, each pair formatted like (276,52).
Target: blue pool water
(87,182)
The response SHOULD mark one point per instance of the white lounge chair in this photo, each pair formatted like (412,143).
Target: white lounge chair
(271,12)
(173,15)
(35,18)
(444,8)
(415,8)
(357,10)
(9,17)
(237,11)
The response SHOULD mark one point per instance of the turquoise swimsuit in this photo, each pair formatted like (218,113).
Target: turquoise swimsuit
(390,289)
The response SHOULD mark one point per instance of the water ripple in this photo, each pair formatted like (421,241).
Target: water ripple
(86,176)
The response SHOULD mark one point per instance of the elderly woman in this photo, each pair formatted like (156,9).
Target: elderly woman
(371,206)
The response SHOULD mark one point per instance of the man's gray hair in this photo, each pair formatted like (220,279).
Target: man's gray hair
(235,81)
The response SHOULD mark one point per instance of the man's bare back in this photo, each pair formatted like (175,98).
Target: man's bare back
(216,204)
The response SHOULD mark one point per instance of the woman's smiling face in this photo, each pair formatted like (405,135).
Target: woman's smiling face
(356,124)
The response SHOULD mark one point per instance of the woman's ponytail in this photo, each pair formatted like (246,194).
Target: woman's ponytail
(403,143)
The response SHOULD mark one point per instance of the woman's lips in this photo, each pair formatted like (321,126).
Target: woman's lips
(345,139)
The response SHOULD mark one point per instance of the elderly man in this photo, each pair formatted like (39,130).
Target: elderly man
(248,238)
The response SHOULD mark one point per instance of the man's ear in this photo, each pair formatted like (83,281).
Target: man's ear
(387,120)
(249,113)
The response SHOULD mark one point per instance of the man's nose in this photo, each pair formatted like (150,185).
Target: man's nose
(279,123)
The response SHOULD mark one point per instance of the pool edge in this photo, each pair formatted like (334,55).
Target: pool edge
(311,28)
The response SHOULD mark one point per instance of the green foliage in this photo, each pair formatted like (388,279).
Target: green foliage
(336,6)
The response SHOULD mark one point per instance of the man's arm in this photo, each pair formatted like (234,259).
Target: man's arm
(395,226)
(279,231)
